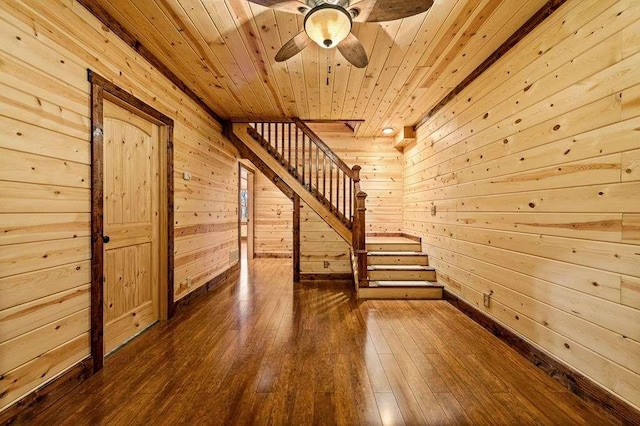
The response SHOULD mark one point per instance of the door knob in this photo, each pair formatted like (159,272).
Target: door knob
(106,239)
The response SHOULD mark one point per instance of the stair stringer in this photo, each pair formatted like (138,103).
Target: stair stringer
(266,163)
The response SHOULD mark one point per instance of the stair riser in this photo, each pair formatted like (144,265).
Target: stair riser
(394,247)
(398,260)
(402,275)
(400,293)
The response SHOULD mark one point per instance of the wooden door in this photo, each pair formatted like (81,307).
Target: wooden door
(250,222)
(131,224)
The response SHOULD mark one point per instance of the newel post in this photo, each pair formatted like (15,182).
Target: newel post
(359,228)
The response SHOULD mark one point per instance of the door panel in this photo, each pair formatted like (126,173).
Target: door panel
(131,180)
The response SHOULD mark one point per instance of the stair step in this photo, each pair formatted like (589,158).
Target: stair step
(431,284)
(401,290)
(397,253)
(400,268)
(389,244)
(401,272)
(397,258)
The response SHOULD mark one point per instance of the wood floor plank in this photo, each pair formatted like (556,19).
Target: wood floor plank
(260,349)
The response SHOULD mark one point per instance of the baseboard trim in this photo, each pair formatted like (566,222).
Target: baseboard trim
(32,404)
(567,376)
(272,255)
(206,288)
(335,276)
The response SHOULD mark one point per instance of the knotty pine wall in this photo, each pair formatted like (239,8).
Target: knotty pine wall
(322,250)
(273,220)
(45,49)
(381,176)
(535,175)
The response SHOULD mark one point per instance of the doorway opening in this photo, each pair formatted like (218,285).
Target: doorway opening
(246,226)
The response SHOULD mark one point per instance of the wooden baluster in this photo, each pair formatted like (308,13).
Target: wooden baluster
(310,164)
(324,175)
(282,160)
(289,147)
(296,153)
(330,185)
(337,189)
(344,194)
(276,140)
(303,159)
(317,168)
(269,136)
(350,217)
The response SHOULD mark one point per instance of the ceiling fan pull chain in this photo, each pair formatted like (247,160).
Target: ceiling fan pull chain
(328,68)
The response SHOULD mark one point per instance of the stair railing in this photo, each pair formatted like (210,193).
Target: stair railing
(321,172)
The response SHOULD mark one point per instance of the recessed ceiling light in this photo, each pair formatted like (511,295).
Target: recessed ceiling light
(388,130)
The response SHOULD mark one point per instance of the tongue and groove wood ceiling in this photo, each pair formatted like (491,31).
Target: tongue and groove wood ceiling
(224,49)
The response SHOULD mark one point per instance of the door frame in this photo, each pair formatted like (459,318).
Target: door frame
(102,89)
(250,194)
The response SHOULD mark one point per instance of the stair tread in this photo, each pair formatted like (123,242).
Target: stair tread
(396,253)
(399,268)
(390,240)
(430,284)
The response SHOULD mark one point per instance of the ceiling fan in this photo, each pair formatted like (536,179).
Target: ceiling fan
(328,23)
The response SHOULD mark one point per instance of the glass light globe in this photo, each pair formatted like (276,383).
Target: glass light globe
(327,25)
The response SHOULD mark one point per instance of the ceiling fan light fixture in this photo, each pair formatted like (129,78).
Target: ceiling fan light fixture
(328,25)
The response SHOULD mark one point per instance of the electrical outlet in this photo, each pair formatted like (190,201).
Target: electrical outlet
(433,210)
(326,265)
(188,282)
(486,299)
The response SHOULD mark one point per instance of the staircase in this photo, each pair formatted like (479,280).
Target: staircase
(303,167)
(398,269)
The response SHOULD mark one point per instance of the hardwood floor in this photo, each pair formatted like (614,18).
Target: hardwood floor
(260,350)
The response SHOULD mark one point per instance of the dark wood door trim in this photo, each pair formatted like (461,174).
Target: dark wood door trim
(102,89)
(240,214)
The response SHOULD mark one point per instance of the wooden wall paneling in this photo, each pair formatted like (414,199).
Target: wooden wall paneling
(320,251)
(42,369)
(630,294)
(497,41)
(44,124)
(500,162)
(273,219)
(514,76)
(606,343)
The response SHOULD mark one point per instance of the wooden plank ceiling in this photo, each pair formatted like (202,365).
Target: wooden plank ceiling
(224,49)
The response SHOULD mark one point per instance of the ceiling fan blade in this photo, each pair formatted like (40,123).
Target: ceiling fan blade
(388,10)
(291,6)
(352,50)
(293,47)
